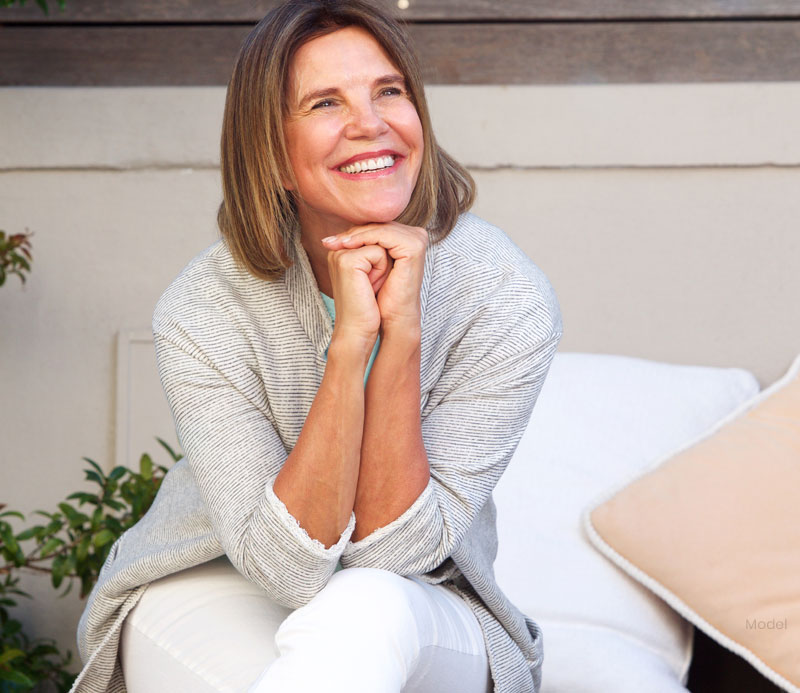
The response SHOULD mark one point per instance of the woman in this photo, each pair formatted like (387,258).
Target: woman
(350,369)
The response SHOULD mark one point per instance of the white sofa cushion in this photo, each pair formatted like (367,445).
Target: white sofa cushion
(600,419)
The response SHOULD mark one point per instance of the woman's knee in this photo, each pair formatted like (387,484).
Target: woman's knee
(372,587)
(359,599)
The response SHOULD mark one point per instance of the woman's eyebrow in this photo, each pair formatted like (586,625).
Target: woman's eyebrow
(393,78)
(318,94)
(390,79)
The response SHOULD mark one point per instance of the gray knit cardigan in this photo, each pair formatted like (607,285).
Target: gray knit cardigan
(241,360)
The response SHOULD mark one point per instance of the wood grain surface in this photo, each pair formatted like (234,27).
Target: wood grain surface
(246,11)
(451,53)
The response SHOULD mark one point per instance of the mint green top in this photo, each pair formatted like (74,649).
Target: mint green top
(329,304)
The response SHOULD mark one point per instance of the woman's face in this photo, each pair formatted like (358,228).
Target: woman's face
(353,135)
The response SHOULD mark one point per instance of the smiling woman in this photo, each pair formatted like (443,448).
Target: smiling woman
(350,369)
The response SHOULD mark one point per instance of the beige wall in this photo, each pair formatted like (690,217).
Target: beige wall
(664,215)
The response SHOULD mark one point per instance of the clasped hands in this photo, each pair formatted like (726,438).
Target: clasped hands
(376,273)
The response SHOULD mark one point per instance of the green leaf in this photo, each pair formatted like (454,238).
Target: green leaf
(56,525)
(8,539)
(76,519)
(103,537)
(117,472)
(44,650)
(59,570)
(29,533)
(96,466)
(41,650)
(128,495)
(23,594)
(8,655)
(12,627)
(16,677)
(146,466)
(114,524)
(97,517)
(84,497)
(82,550)
(175,456)
(94,476)
(13,512)
(87,583)
(50,546)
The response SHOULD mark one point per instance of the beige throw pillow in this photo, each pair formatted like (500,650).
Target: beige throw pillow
(714,530)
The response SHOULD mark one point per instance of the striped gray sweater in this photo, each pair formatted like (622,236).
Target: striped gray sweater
(241,360)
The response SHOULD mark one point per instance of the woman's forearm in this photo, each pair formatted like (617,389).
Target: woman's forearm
(394,465)
(317,483)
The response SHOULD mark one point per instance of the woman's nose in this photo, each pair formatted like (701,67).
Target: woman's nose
(365,121)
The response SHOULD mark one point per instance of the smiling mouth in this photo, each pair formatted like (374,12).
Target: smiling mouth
(368,165)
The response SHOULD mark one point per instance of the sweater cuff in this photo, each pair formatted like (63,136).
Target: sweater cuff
(400,544)
(300,537)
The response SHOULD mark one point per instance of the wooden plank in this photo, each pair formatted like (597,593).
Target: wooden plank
(553,53)
(246,11)
(119,55)
(610,52)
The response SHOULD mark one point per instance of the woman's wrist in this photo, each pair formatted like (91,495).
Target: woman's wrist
(351,347)
(406,332)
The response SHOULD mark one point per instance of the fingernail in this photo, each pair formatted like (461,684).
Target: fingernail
(328,239)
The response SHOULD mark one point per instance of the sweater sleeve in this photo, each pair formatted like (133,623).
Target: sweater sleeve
(485,395)
(235,454)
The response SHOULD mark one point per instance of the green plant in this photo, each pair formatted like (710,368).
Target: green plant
(41,3)
(15,255)
(71,545)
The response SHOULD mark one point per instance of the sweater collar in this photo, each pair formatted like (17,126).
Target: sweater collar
(306,297)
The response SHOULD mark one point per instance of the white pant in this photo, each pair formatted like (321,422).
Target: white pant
(208,629)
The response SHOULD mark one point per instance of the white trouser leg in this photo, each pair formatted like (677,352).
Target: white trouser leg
(371,631)
(204,629)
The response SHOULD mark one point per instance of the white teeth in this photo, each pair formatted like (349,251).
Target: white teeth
(369,164)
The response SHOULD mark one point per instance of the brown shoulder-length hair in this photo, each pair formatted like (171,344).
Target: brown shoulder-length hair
(258,216)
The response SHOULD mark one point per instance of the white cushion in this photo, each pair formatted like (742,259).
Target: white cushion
(600,419)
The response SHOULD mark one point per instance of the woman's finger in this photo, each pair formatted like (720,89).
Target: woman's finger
(401,241)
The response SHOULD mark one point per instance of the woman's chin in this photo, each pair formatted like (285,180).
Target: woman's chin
(374,215)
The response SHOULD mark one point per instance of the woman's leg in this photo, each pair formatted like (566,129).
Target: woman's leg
(206,629)
(371,631)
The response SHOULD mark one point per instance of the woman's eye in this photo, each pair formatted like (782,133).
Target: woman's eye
(321,104)
(392,91)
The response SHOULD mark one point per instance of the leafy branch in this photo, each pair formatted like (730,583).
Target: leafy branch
(15,255)
(72,545)
(42,4)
